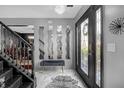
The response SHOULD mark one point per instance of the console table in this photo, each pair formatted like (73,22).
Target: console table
(53,62)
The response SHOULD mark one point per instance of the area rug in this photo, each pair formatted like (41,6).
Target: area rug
(63,82)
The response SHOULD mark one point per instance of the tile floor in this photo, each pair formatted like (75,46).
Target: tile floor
(44,77)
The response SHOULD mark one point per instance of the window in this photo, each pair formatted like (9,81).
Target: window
(98,47)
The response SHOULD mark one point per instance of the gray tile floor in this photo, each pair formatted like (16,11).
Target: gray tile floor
(45,77)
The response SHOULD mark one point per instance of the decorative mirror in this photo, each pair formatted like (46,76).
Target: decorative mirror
(117,26)
(59,41)
(68,42)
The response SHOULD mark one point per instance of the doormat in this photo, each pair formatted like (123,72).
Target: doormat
(63,82)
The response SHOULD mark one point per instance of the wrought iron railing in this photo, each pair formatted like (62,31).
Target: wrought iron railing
(16,48)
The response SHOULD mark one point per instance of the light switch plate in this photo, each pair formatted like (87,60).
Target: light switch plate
(111,47)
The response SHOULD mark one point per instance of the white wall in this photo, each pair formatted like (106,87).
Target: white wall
(113,62)
(81,12)
(25,29)
(69,64)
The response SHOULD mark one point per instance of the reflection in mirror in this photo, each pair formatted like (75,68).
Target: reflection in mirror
(50,42)
(84,46)
(59,41)
(41,42)
(68,42)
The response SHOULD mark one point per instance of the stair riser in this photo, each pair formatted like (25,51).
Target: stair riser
(7,75)
(1,65)
(17,83)
(29,86)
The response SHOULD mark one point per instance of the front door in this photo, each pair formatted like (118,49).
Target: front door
(88,46)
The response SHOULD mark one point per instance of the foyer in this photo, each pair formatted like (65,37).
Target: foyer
(61,46)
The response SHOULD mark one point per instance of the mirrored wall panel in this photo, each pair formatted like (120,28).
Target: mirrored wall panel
(68,42)
(50,42)
(59,41)
(41,42)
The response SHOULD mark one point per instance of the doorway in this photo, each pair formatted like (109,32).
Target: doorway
(89,47)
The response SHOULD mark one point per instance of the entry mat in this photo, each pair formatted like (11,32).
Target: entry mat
(63,82)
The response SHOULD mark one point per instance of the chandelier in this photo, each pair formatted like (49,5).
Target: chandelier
(60,9)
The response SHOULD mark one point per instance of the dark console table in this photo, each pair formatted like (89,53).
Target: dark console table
(52,62)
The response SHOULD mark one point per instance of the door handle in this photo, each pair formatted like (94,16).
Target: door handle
(90,50)
(90,54)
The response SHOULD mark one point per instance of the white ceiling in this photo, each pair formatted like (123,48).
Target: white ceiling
(36,11)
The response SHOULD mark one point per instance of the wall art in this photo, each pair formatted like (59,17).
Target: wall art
(117,26)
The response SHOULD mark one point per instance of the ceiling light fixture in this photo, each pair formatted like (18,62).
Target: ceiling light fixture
(60,9)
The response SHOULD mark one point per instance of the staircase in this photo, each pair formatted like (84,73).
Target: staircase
(16,60)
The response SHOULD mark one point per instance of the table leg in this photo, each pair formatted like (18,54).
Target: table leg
(62,69)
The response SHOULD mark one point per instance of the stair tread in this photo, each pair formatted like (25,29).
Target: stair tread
(26,85)
(9,82)
(14,66)
(4,71)
(1,65)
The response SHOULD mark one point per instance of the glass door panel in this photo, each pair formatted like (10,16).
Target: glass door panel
(98,47)
(84,46)
(90,47)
